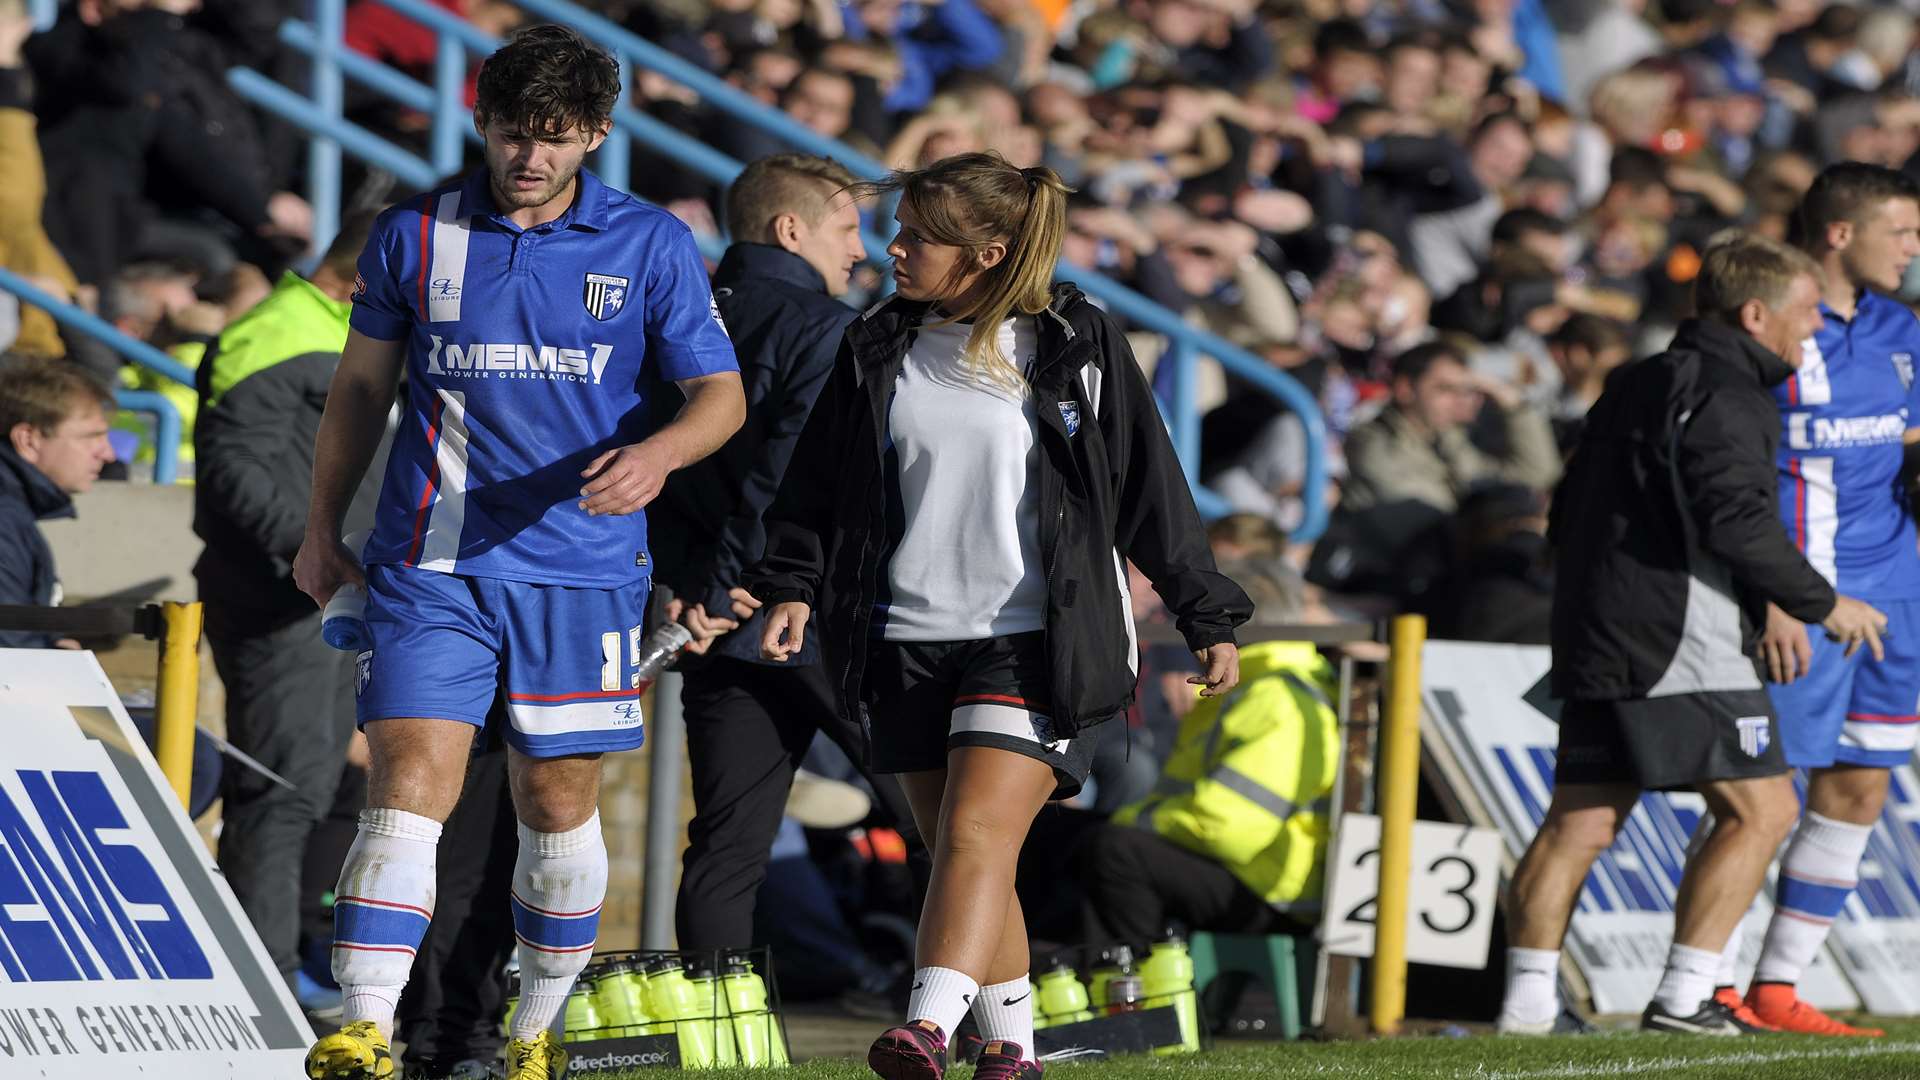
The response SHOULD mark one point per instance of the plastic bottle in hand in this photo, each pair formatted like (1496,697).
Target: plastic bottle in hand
(658,653)
(344,623)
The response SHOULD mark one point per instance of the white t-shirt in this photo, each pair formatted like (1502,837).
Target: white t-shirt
(967,563)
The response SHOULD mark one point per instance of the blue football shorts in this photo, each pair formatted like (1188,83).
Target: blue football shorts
(1855,711)
(446,646)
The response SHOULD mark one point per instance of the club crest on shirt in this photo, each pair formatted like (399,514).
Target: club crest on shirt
(1755,734)
(605,295)
(1903,366)
(1070,413)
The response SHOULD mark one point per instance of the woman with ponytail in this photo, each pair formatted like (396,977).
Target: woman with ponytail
(953,527)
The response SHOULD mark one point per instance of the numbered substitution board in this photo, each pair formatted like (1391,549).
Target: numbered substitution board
(1449,899)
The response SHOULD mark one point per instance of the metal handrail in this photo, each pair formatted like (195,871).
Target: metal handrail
(166,429)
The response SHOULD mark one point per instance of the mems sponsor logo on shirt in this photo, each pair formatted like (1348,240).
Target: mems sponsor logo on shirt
(516,360)
(1806,432)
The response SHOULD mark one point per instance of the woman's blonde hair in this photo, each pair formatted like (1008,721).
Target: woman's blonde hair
(971,200)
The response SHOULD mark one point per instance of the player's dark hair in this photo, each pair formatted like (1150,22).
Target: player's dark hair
(1417,361)
(548,80)
(1848,191)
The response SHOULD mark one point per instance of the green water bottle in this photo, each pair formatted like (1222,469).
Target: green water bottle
(711,1006)
(754,1033)
(673,1003)
(1166,975)
(620,996)
(1113,963)
(583,1016)
(1061,996)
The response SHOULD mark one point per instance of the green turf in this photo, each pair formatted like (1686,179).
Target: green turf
(1771,1057)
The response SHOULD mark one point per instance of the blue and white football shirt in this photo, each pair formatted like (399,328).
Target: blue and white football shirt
(1845,415)
(528,354)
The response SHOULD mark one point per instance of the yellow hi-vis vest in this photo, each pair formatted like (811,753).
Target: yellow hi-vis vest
(1251,775)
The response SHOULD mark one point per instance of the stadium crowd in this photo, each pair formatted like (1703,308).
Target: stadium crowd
(1450,220)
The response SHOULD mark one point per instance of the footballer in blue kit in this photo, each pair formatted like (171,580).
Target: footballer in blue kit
(532,310)
(1848,417)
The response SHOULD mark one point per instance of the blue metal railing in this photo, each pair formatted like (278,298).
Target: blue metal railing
(166,449)
(321,115)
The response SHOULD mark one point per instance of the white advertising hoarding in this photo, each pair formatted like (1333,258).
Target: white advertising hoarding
(122,951)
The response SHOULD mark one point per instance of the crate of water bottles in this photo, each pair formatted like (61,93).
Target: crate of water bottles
(1118,999)
(690,1010)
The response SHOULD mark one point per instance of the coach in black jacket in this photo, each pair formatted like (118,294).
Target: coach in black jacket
(750,722)
(1669,547)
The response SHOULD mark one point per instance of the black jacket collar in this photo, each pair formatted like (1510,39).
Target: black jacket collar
(1713,338)
(21,482)
(744,260)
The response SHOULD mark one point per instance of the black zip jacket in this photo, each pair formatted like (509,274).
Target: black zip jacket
(1667,527)
(27,579)
(786,330)
(1108,482)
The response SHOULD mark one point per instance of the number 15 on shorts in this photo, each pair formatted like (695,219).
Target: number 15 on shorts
(1449,902)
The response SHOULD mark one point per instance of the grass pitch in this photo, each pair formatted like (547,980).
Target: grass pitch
(1623,1054)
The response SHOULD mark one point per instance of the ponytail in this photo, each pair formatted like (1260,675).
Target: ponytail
(971,200)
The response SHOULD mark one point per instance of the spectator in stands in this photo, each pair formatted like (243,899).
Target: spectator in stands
(143,135)
(1501,585)
(1418,450)
(289,696)
(24,247)
(930,40)
(1674,485)
(1447,247)
(796,232)
(1234,836)
(54,417)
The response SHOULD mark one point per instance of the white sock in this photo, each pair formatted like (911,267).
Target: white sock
(380,912)
(559,883)
(1533,985)
(1688,980)
(1728,972)
(941,995)
(1005,1013)
(1817,873)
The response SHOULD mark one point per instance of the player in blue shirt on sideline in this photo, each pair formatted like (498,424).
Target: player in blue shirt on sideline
(1849,415)
(531,306)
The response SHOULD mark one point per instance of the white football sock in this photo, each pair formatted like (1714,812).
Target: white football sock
(1688,980)
(1005,1012)
(941,995)
(1817,874)
(559,883)
(1533,986)
(380,912)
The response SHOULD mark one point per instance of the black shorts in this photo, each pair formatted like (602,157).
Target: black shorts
(923,698)
(1669,743)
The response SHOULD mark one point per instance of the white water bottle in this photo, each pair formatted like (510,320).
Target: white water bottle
(343,625)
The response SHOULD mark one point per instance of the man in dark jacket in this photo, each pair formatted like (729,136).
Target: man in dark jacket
(797,238)
(263,386)
(1669,548)
(53,442)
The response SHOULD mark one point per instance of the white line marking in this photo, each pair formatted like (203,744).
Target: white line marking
(1640,1066)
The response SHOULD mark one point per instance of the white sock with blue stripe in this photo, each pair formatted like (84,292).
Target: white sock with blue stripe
(559,883)
(1820,868)
(380,911)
